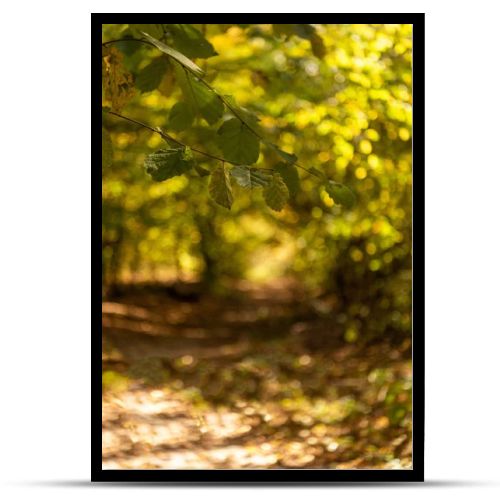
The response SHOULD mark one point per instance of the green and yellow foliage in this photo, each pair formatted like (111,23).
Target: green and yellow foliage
(311,121)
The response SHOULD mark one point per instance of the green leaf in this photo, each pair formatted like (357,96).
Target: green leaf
(237,142)
(201,99)
(127,47)
(167,163)
(191,42)
(318,46)
(181,116)
(107,149)
(290,176)
(308,32)
(180,58)
(151,76)
(276,194)
(305,31)
(341,194)
(250,178)
(220,187)
(288,157)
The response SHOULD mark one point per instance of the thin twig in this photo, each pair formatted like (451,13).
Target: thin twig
(128,40)
(168,137)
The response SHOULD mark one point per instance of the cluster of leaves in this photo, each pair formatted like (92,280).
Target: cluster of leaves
(238,137)
(306,31)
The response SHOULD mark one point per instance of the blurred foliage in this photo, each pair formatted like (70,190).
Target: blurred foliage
(296,398)
(338,97)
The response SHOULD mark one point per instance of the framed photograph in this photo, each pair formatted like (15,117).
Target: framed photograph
(258,288)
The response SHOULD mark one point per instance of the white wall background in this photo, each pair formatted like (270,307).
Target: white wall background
(45,249)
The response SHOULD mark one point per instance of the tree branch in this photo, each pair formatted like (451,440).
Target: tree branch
(168,137)
(224,101)
(128,40)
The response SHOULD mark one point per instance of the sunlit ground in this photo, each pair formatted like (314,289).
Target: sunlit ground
(257,379)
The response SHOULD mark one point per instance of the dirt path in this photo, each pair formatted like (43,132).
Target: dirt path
(253,380)
(153,429)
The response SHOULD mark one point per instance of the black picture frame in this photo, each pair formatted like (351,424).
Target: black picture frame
(263,476)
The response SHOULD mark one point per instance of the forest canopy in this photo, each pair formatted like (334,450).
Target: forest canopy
(302,131)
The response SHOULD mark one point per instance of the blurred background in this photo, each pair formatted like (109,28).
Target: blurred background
(254,338)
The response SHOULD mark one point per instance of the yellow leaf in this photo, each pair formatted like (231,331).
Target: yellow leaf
(118,83)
